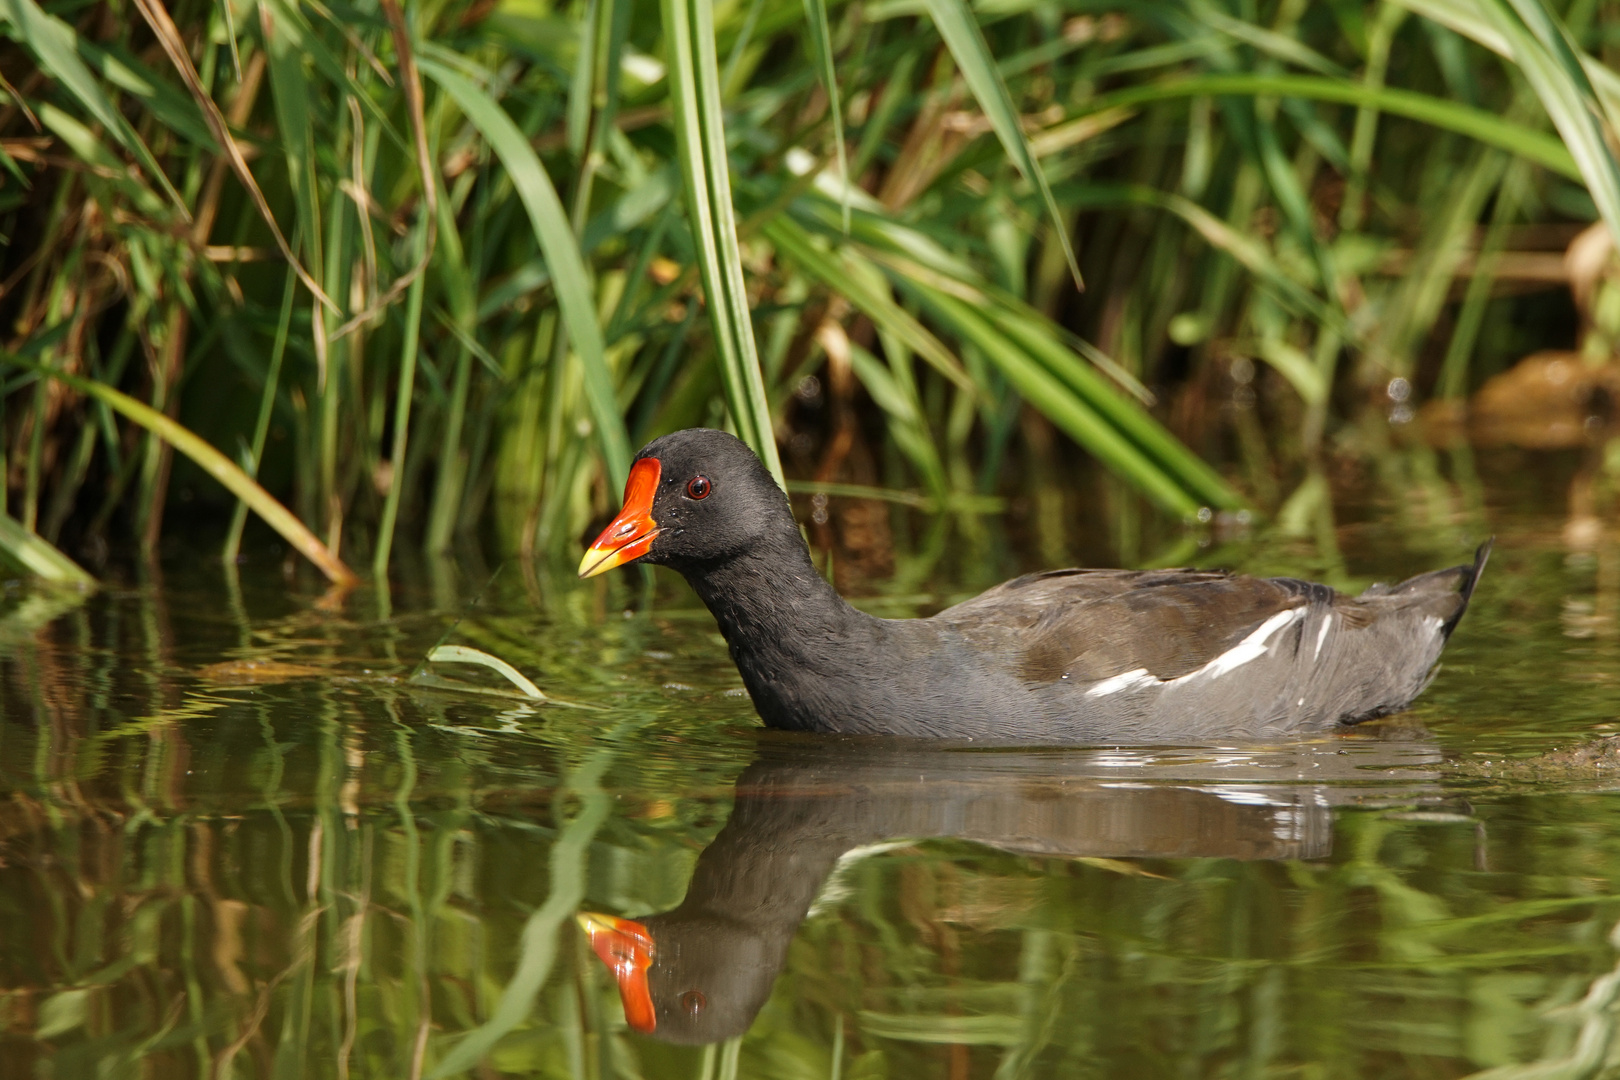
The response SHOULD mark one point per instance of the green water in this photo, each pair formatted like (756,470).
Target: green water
(237,839)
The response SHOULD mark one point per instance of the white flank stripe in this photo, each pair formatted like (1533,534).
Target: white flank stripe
(1248,649)
(1327,624)
(1121,682)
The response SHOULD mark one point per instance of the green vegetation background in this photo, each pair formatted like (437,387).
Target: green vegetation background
(391,271)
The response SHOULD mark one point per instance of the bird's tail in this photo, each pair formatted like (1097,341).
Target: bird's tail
(1465,592)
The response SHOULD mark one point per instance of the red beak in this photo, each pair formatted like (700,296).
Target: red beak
(626,948)
(630,535)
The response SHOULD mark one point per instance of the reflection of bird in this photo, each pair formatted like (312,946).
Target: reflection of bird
(1070,655)
(700,973)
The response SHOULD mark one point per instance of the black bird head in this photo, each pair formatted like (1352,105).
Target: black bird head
(694,497)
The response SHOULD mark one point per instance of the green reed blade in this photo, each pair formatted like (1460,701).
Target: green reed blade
(907,426)
(792,239)
(170,108)
(1550,62)
(1281,46)
(700,142)
(290,91)
(556,236)
(267,404)
(1250,252)
(1059,403)
(56,46)
(1486,127)
(212,462)
(1024,327)
(443,518)
(89,148)
(1469,19)
(956,23)
(404,394)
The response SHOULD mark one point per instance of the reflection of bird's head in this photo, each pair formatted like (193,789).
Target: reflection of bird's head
(686,979)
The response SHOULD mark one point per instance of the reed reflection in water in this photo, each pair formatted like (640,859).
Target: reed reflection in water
(237,846)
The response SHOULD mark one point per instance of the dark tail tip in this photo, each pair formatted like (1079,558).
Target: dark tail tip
(1471,577)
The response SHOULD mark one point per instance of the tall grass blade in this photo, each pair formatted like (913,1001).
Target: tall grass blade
(556,236)
(700,142)
(815,14)
(955,22)
(1468,18)
(212,462)
(267,404)
(404,394)
(174,46)
(1024,328)
(843,274)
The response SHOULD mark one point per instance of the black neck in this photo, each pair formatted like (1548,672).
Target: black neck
(771,604)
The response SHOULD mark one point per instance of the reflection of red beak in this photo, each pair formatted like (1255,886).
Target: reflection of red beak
(630,535)
(626,948)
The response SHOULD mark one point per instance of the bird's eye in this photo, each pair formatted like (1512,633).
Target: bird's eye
(699,487)
(693,1002)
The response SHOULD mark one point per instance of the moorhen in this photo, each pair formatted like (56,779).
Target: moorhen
(1075,656)
(700,972)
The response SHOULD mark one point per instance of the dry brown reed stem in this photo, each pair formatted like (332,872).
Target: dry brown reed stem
(168,36)
(411,82)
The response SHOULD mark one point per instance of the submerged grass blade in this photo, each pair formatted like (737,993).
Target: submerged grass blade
(462,654)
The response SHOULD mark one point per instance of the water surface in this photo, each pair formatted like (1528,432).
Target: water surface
(240,838)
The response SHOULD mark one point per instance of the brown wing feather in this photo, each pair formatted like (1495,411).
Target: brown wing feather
(1096,624)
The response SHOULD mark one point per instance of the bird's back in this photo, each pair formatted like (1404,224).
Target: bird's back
(1192,654)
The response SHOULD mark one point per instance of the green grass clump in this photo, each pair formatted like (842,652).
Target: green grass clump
(420,270)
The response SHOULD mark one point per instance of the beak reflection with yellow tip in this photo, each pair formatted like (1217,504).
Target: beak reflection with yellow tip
(630,535)
(626,947)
